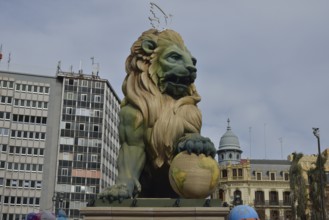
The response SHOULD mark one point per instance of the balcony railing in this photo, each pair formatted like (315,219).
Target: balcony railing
(263,203)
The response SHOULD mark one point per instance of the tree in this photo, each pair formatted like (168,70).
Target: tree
(298,188)
(314,175)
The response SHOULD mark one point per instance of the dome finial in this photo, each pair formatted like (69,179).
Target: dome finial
(228,124)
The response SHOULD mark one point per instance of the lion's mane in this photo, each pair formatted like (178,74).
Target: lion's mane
(165,118)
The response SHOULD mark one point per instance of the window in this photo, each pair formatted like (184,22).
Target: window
(35,88)
(286,176)
(96,113)
(4,131)
(93,158)
(240,172)
(97,98)
(41,89)
(67,125)
(274,200)
(29,88)
(26,183)
(286,198)
(84,97)
(77,189)
(46,90)
(95,128)
(81,127)
(69,96)
(272,176)
(25,134)
(259,198)
(65,172)
(18,87)
(234,173)
(97,85)
(224,173)
(259,176)
(84,83)
(11,149)
(38,185)
(14,183)
(3,147)
(79,157)
(69,110)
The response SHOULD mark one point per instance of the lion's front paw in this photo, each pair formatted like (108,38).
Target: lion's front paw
(117,192)
(195,143)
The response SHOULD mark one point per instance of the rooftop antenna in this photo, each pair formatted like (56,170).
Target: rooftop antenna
(265,138)
(250,141)
(80,67)
(95,66)
(9,59)
(281,142)
(0,52)
(59,67)
(158,19)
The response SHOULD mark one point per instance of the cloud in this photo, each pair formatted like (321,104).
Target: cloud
(258,62)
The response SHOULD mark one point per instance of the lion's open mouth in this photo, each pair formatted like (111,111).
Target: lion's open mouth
(178,80)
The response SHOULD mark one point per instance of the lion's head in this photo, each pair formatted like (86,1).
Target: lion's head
(159,68)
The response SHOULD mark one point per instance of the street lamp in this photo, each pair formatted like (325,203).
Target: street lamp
(57,199)
(316,133)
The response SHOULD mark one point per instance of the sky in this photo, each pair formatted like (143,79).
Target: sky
(262,64)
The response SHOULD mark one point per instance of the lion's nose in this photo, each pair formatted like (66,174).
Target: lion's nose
(191,69)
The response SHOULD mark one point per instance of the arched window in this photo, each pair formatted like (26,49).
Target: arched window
(259,198)
(237,197)
(230,156)
(221,194)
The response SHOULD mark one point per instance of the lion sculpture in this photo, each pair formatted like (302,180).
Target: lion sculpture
(159,116)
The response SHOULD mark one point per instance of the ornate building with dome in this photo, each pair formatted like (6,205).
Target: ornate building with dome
(262,184)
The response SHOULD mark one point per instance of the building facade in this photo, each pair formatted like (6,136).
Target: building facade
(262,184)
(58,142)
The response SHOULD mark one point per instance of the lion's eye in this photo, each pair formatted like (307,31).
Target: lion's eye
(173,57)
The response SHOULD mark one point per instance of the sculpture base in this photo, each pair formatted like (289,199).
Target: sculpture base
(157,209)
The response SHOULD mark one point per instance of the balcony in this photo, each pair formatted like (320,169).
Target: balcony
(259,203)
(266,203)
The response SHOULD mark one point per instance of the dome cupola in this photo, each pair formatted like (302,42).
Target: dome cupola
(229,147)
